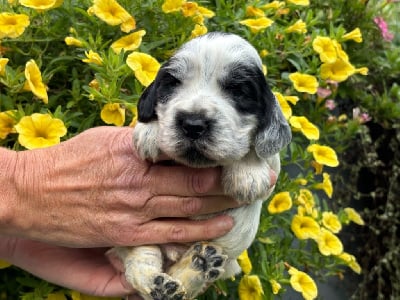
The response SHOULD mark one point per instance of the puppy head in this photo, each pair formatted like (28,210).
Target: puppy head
(212,104)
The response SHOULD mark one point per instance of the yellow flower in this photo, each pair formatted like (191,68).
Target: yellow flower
(354,216)
(205,12)
(41,5)
(324,155)
(299,27)
(113,14)
(300,2)
(12,25)
(39,131)
(338,71)
(245,262)
(264,52)
(79,296)
(285,107)
(144,66)
(275,285)
(3,63)
(56,296)
(4,264)
(113,113)
(135,117)
(305,227)
(326,48)
(198,30)
(351,261)
(317,166)
(328,243)
(257,24)
(363,71)
(252,11)
(304,82)
(354,35)
(331,221)
(250,288)
(34,81)
(326,185)
(129,42)
(273,5)
(170,6)
(292,99)
(307,128)
(303,283)
(306,199)
(279,203)
(189,9)
(71,41)
(7,122)
(92,58)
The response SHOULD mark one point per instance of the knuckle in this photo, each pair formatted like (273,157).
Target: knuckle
(199,183)
(178,233)
(191,206)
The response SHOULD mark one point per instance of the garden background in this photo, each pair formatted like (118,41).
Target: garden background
(333,65)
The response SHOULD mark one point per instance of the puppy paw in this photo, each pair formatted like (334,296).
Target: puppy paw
(145,136)
(209,260)
(166,288)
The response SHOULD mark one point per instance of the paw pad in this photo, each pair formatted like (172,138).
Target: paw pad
(209,260)
(165,288)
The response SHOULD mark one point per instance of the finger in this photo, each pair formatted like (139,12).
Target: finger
(182,231)
(171,206)
(184,181)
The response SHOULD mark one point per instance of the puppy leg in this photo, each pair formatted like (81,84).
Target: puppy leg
(145,137)
(143,270)
(249,179)
(201,265)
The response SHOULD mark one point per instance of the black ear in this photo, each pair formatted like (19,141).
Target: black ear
(147,104)
(274,133)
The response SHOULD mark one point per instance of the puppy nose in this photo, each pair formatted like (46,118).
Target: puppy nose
(193,125)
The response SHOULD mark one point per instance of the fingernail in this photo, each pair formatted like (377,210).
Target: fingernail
(225,223)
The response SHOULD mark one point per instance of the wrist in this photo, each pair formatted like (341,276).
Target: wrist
(8,195)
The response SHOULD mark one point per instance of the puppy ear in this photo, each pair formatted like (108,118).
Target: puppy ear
(275,133)
(147,104)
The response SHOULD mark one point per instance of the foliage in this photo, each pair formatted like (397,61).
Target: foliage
(76,67)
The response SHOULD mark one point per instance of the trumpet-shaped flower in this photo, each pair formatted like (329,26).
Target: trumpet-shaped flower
(279,203)
(41,5)
(354,35)
(299,27)
(324,155)
(328,243)
(3,63)
(305,227)
(300,2)
(326,48)
(39,131)
(12,25)
(354,216)
(331,221)
(92,58)
(304,82)
(275,286)
(257,24)
(326,185)
(170,6)
(285,107)
(205,12)
(113,113)
(189,9)
(7,122)
(245,262)
(303,283)
(273,5)
(111,12)
(351,261)
(129,42)
(144,66)
(71,41)
(338,71)
(306,200)
(34,81)
(198,30)
(253,11)
(307,128)
(250,288)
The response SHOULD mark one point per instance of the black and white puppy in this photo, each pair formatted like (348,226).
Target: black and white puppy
(209,105)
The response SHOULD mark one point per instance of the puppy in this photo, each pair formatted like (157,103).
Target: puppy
(209,106)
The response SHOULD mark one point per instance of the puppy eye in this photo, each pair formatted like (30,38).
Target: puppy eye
(168,85)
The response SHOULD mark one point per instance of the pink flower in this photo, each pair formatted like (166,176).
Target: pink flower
(330,104)
(323,92)
(361,117)
(381,23)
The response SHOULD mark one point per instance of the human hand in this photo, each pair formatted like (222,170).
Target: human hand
(86,270)
(94,191)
